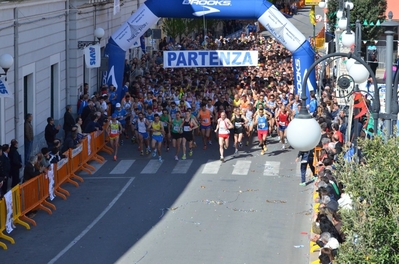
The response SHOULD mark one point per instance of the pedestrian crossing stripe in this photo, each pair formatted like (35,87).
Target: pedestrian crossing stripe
(211,167)
(152,167)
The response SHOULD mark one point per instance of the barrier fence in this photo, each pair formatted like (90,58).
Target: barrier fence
(37,193)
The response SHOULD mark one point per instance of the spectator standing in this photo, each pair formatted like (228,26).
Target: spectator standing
(15,162)
(3,176)
(69,142)
(50,132)
(69,121)
(6,167)
(30,170)
(83,104)
(28,136)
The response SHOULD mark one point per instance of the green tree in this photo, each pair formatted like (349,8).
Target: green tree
(174,27)
(369,10)
(372,226)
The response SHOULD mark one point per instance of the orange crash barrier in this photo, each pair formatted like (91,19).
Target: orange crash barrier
(76,163)
(85,155)
(92,148)
(316,157)
(33,195)
(101,143)
(3,219)
(61,175)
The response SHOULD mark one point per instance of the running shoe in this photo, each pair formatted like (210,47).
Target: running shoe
(224,146)
(194,144)
(221,159)
(247,143)
(147,152)
(141,153)
(262,152)
(176,158)
(160,159)
(302,184)
(283,147)
(184,157)
(240,144)
(190,153)
(236,152)
(167,149)
(265,148)
(115,157)
(210,142)
(154,154)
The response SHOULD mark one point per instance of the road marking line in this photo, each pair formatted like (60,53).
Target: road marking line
(182,166)
(96,165)
(272,168)
(241,167)
(152,167)
(122,167)
(89,227)
(212,167)
(105,178)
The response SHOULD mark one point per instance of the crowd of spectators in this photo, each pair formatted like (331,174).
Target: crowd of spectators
(337,140)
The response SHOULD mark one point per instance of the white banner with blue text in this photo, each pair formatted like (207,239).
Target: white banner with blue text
(210,58)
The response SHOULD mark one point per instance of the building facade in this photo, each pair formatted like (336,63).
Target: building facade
(49,70)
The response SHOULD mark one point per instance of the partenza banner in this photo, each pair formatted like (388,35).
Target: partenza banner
(209,58)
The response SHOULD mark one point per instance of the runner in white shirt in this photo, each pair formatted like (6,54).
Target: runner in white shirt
(223,125)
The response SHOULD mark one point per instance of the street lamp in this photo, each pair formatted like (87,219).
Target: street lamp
(6,61)
(98,33)
(391,102)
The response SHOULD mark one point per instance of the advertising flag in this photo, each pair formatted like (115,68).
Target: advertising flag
(312,16)
(4,90)
(117,7)
(93,56)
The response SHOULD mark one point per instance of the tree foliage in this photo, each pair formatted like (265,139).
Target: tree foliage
(369,10)
(372,226)
(174,27)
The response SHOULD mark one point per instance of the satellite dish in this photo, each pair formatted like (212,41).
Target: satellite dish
(148,33)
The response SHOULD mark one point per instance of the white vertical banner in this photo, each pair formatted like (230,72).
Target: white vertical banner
(117,7)
(88,145)
(93,56)
(50,175)
(9,220)
(4,89)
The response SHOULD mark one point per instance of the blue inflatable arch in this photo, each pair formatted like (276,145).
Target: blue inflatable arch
(266,13)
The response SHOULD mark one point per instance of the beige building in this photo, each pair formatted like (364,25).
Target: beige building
(49,71)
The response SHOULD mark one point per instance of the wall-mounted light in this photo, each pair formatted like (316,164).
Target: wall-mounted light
(98,33)
(6,61)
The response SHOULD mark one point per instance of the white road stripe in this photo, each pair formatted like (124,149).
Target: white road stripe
(212,167)
(122,167)
(152,167)
(241,167)
(89,227)
(182,166)
(96,165)
(272,168)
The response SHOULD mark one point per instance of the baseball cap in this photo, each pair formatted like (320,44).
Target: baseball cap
(118,105)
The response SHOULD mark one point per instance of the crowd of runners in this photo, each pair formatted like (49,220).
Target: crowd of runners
(172,107)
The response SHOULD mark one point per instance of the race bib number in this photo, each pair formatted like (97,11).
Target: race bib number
(282,123)
(261,125)
(114,131)
(176,128)
(187,128)
(205,120)
(237,124)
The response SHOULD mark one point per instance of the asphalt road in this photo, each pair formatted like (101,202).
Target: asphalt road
(249,209)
